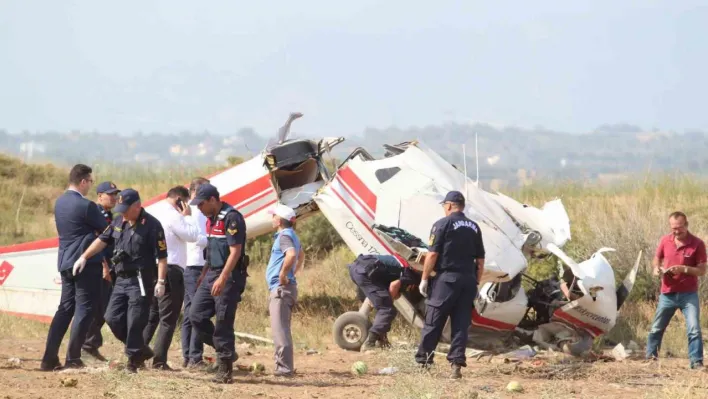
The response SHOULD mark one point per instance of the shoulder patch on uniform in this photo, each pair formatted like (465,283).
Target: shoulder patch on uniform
(162,245)
(431,240)
(233,227)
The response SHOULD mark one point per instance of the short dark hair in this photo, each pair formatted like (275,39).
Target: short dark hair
(196,182)
(178,191)
(286,223)
(678,214)
(79,172)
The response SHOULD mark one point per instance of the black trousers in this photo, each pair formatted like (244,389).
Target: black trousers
(219,335)
(377,292)
(164,312)
(94,338)
(127,314)
(78,296)
(452,296)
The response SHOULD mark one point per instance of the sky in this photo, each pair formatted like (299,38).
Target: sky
(171,66)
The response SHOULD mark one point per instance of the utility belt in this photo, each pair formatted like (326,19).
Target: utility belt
(131,274)
(465,271)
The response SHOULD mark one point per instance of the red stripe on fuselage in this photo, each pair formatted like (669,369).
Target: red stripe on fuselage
(491,324)
(366,226)
(246,192)
(31,246)
(35,317)
(358,186)
(594,331)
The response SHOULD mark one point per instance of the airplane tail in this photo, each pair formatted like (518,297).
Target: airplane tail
(628,283)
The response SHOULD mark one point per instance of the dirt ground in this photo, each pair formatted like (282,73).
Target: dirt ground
(326,374)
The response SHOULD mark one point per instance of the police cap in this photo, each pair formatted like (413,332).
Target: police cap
(107,187)
(455,197)
(204,192)
(126,198)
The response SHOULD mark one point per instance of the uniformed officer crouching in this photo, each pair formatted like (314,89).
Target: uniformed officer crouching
(381,278)
(223,278)
(457,256)
(138,238)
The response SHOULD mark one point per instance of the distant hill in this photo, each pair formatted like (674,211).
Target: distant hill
(508,156)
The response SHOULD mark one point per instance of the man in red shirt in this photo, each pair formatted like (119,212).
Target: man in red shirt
(680,259)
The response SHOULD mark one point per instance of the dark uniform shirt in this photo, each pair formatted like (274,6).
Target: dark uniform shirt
(458,242)
(385,269)
(226,229)
(108,251)
(143,243)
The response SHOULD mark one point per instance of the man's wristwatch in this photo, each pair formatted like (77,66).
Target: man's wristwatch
(161,281)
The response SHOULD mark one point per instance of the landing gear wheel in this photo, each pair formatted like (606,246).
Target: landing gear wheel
(350,330)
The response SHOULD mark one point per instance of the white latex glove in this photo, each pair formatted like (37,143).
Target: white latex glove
(423,288)
(159,289)
(79,265)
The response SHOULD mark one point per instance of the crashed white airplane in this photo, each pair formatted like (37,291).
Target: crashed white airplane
(365,197)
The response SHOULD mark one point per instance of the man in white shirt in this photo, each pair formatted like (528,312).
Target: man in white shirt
(180,228)
(192,345)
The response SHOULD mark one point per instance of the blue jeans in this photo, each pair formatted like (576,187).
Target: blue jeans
(668,303)
(192,346)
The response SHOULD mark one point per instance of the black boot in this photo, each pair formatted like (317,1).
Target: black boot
(384,342)
(456,372)
(370,342)
(225,372)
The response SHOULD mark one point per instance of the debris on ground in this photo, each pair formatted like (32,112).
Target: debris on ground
(388,371)
(620,353)
(245,337)
(69,382)
(13,363)
(312,352)
(525,352)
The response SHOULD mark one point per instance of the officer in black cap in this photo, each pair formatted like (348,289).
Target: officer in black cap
(382,278)
(457,256)
(139,239)
(106,200)
(223,278)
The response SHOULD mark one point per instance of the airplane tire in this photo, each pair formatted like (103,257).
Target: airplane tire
(350,330)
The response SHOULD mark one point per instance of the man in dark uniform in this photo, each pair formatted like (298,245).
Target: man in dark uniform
(78,222)
(457,256)
(381,278)
(106,200)
(223,278)
(139,239)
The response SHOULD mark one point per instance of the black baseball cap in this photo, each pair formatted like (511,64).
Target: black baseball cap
(107,187)
(126,198)
(454,196)
(204,192)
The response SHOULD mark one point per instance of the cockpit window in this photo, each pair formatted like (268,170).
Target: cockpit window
(386,173)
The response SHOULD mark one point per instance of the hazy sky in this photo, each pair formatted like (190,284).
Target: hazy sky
(221,65)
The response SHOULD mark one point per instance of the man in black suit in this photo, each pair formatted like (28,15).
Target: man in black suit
(79,222)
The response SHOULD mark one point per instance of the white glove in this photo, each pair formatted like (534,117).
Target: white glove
(79,265)
(423,288)
(160,289)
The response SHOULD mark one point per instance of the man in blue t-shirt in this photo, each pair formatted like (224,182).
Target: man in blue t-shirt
(286,258)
